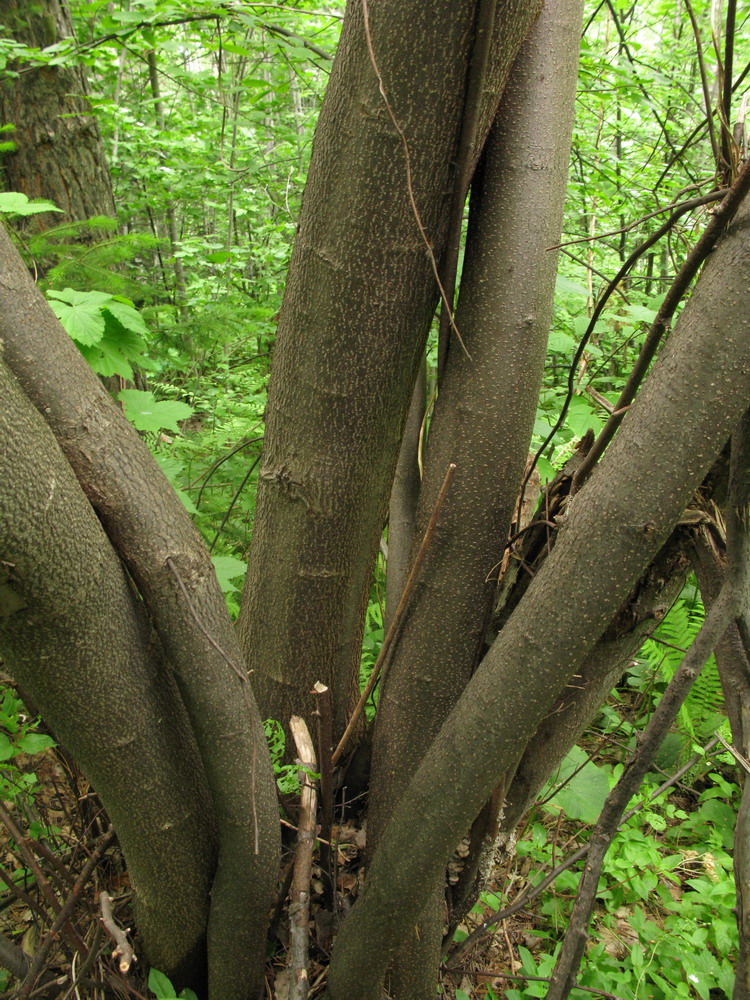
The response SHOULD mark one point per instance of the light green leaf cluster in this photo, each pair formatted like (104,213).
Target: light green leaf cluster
(147,413)
(108,329)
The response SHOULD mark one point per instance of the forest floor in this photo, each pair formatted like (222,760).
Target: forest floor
(59,855)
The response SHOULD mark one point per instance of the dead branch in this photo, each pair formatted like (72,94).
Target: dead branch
(299,907)
(123,949)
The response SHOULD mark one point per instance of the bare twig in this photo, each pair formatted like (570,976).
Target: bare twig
(123,950)
(704,80)
(686,206)
(24,847)
(65,913)
(299,906)
(722,216)
(324,712)
(397,615)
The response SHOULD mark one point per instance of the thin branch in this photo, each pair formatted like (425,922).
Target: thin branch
(480,56)
(65,913)
(686,206)
(123,949)
(207,635)
(235,498)
(397,615)
(23,844)
(722,216)
(704,81)
(324,713)
(636,222)
(299,906)
(726,96)
(641,87)
(205,476)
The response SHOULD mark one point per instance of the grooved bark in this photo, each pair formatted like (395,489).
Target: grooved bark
(358,302)
(667,442)
(59,152)
(74,634)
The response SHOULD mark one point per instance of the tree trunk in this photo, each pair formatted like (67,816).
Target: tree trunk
(402,507)
(359,297)
(74,635)
(171,567)
(59,152)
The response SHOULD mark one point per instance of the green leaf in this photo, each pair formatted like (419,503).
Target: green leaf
(15,203)
(33,743)
(560,342)
(462,995)
(583,796)
(656,821)
(227,569)
(146,413)
(125,313)
(569,287)
(7,749)
(160,985)
(80,314)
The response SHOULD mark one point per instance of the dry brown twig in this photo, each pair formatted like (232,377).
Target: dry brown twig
(123,949)
(299,906)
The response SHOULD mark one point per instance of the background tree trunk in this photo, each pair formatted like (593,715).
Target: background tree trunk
(59,152)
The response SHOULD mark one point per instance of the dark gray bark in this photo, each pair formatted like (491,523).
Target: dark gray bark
(59,152)
(613,528)
(74,634)
(581,700)
(577,706)
(150,530)
(358,302)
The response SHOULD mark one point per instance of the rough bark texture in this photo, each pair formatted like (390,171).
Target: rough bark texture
(152,533)
(73,633)
(358,302)
(614,526)
(59,151)
(484,415)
